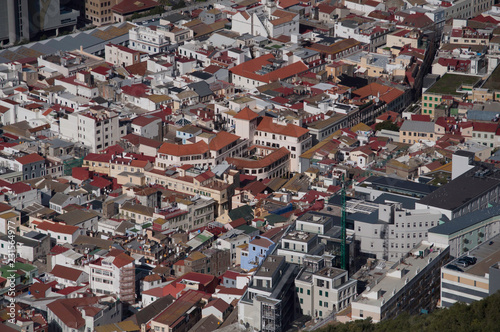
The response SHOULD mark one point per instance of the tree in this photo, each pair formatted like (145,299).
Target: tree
(387,124)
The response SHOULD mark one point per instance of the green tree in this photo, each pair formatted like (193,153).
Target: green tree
(387,124)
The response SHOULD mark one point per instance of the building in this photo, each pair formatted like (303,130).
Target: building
(271,133)
(114,274)
(473,282)
(454,85)
(264,70)
(24,19)
(468,231)
(257,251)
(393,229)
(474,189)
(99,12)
(94,128)
(269,302)
(231,240)
(275,164)
(121,55)
(322,289)
(148,40)
(180,316)
(410,286)
(83,314)
(125,9)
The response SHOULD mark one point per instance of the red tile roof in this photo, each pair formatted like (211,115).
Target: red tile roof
(250,68)
(68,310)
(144,120)
(267,125)
(131,6)
(56,227)
(218,304)
(65,272)
(184,150)
(30,158)
(221,140)
(246,114)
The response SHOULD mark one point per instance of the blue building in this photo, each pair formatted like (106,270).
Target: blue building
(187,132)
(256,252)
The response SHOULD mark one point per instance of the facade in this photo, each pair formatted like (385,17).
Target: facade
(269,302)
(392,231)
(114,275)
(257,251)
(97,129)
(147,40)
(323,289)
(271,133)
(411,286)
(468,231)
(99,11)
(121,55)
(474,282)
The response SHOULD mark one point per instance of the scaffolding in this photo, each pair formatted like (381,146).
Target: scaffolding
(68,165)
(271,316)
(127,284)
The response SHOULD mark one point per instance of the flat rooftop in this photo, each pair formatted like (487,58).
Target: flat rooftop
(394,279)
(493,81)
(449,83)
(300,236)
(487,255)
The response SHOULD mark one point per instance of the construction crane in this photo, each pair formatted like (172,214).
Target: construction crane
(343,252)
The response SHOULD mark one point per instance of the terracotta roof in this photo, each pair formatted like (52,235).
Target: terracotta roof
(144,120)
(65,272)
(130,6)
(221,140)
(178,309)
(183,150)
(250,68)
(246,114)
(139,68)
(56,227)
(289,129)
(30,158)
(122,259)
(68,310)
(262,242)
(139,140)
(242,163)
(218,304)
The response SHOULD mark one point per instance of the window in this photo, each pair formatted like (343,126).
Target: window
(361,313)
(301,290)
(320,303)
(320,293)
(326,294)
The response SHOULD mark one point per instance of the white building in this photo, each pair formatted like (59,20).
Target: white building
(114,275)
(147,40)
(271,133)
(96,129)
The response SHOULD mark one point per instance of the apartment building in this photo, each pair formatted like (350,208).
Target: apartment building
(208,150)
(271,133)
(416,131)
(121,55)
(404,37)
(99,11)
(468,231)
(193,182)
(274,164)
(148,40)
(410,286)
(181,315)
(113,274)
(473,282)
(390,229)
(297,244)
(269,302)
(96,128)
(322,289)
(231,240)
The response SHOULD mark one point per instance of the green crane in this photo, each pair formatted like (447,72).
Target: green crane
(343,252)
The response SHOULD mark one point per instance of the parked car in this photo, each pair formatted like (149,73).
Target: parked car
(454,267)
(462,263)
